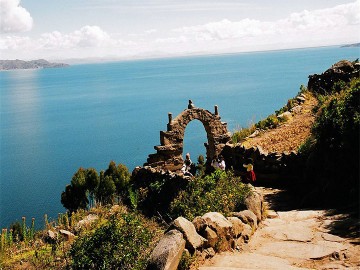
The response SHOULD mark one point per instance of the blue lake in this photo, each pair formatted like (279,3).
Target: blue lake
(54,121)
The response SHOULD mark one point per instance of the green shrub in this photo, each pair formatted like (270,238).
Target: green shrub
(334,165)
(186,261)
(270,122)
(134,198)
(242,133)
(338,124)
(307,146)
(220,192)
(122,243)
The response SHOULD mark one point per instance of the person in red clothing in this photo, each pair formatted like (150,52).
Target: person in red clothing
(250,174)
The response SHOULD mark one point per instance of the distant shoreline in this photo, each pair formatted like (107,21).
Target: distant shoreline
(28,65)
(351,45)
(101,60)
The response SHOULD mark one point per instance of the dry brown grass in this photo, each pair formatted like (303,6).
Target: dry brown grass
(289,135)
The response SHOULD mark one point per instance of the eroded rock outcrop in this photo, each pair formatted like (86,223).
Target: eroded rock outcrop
(343,70)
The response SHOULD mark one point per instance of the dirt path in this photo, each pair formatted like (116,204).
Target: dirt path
(290,135)
(293,239)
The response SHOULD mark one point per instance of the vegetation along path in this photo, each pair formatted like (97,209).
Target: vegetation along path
(294,239)
(291,237)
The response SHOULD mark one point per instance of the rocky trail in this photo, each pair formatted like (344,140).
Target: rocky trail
(293,238)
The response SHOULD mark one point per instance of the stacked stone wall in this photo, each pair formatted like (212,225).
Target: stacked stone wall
(269,167)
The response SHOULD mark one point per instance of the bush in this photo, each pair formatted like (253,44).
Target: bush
(242,133)
(270,122)
(220,192)
(334,162)
(122,243)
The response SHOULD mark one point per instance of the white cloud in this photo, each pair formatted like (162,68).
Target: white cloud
(87,36)
(317,20)
(88,41)
(151,31)
(226,29)
(13,17)
(329,26)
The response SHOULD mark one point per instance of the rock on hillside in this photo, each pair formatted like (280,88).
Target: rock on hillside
(342,71)
(33,64)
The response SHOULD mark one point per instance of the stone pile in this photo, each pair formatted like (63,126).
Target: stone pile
(207,234)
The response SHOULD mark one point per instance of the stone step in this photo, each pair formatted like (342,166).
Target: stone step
(224,268)
(248,261)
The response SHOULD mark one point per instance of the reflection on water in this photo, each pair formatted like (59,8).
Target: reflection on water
(23,103)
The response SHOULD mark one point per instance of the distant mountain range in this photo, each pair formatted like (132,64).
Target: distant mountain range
(33,64)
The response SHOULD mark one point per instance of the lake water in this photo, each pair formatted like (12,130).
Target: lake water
(54,121)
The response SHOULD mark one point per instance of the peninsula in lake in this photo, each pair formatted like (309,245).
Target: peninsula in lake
(33,64)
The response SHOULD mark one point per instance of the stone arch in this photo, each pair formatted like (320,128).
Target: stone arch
(169,153)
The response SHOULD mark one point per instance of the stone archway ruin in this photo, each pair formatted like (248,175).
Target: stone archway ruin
(169,153)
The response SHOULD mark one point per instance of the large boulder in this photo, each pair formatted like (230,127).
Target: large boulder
(254,203)
(193,240)
(69,236)
(286,116)
(247,217)
(223,228)
(296,109)
(168,252)
(238,226)
(211,237)
(200,224)
(51,237)
(86,222)
(247,233)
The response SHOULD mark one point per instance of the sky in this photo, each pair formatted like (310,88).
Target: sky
(123,29)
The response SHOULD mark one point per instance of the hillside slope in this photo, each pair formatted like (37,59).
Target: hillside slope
(290,135)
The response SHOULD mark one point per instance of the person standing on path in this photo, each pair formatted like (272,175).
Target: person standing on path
(250,174)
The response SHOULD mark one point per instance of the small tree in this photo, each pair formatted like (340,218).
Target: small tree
(121,177)
(74,196)
(92,183)
(106,189)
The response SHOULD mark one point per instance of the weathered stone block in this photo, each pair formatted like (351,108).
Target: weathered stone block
(246,217)
(69,236)
(193,240)
(211,237)
(254,203)
(199,223)
(238,226)
(223,228)
(168,252)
